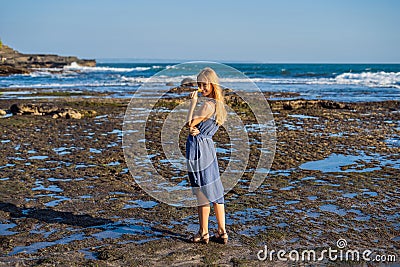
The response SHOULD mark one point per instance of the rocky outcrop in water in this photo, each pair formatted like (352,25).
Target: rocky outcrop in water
(14,62)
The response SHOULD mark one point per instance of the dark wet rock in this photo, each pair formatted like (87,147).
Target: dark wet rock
(68,114)
(181,89)
(9,70)
(307,104)
(45,109)
(188,82)
(20,109)
(169,84)
(186,89)
(187,85)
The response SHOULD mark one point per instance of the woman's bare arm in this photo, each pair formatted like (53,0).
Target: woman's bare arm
(193,101)
(206,110)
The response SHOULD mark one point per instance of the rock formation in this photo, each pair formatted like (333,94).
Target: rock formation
(14,62)
(45,109)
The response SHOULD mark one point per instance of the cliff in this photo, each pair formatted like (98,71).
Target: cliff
(14,62)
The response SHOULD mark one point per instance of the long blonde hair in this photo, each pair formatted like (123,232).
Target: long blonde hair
(208,75)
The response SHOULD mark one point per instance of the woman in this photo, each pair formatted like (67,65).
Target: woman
(201,156)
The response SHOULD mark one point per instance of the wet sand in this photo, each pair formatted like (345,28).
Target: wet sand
(67,197)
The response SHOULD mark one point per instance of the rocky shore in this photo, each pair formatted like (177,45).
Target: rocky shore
(14,62)
(67,197)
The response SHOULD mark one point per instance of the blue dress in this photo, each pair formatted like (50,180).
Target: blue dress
(202,164)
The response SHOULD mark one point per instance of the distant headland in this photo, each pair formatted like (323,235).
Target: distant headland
(14,62)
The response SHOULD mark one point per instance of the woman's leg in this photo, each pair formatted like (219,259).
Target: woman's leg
(220,214)
(204,213)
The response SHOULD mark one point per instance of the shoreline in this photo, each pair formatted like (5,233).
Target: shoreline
(65,182)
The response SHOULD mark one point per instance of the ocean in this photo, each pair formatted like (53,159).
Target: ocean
(338,82)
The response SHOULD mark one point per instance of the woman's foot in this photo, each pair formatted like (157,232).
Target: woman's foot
(221,238)
(200,238)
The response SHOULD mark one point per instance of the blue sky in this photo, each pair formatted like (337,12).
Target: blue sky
(335,31)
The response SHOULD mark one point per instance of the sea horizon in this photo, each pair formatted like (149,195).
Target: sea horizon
(102,60)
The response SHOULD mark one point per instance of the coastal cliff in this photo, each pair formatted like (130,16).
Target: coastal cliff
(14,62)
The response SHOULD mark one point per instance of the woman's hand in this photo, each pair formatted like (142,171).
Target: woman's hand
(194,131)
(193,97)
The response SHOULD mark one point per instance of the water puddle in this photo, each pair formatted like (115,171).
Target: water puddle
(350,195)
(393,142)
(114,230)
(61,151)
(7,115)
(39,245)
(38,157)
(57,201)
(282,225)
(51,188)
(44,233)
(253,230)
(7,165)
(287,188)
(300,116)
(292,127)
(248,215)
(333,208)
(255,127)
(58,179)
(81,166)
(16,158)
(140,204)
(89,255)
(277,172)
(93,150)
(313,214)
(4,229)
(115,131)
(367,192)
(291,202)
(350,163)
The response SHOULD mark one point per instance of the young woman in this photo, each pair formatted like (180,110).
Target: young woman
(201,156)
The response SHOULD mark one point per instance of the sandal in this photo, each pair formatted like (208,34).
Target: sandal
(221,238)
(198,238)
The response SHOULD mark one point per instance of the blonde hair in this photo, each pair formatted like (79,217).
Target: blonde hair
(208,75)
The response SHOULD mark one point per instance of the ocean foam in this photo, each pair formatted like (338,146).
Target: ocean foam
(370,79)
(70,85)
(77,67)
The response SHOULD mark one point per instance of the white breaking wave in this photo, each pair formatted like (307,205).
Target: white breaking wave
(161,79)
(69,85)
(76,67)
(370,79)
